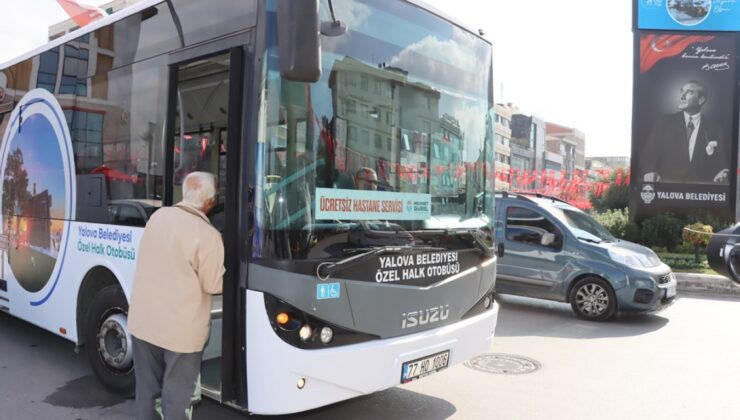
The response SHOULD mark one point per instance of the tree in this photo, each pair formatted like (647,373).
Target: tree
(698,235)
(15,184)
(611,191)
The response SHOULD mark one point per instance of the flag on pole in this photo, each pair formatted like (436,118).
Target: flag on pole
(82,14)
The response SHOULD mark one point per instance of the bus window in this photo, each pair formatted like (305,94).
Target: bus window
(200,121)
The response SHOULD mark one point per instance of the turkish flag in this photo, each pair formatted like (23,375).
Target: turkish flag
(654,47)
(81,14)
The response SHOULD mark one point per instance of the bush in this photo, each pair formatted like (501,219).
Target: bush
(684,262)
(615,197)
(618,223)
(613,220)
(663,230)
(696,235)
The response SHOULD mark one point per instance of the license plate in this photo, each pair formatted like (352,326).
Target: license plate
(420,368)
(670,291)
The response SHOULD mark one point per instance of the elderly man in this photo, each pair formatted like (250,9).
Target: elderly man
(179,268)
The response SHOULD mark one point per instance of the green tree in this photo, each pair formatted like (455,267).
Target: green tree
(616,196)
(698,235)
(15,184)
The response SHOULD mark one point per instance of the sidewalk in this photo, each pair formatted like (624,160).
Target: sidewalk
(706,284)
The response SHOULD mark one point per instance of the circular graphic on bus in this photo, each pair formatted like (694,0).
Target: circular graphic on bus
(689,12)
(36,189)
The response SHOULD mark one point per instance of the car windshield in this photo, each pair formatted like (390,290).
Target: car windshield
(396,136)
(582,225)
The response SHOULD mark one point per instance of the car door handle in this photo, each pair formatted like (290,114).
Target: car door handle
(500,250)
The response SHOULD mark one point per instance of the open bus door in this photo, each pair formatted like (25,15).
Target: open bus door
(203,133)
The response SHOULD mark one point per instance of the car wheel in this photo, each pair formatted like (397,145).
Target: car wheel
(108,340)
(593,299)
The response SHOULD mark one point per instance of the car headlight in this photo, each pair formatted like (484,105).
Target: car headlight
(633,259)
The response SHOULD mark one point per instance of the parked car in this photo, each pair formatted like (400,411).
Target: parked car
(551,250)
(132,212)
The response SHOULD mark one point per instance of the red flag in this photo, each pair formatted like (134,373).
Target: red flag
(81,14)
(654,47)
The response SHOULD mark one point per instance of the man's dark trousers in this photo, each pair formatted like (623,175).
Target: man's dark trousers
(167,375)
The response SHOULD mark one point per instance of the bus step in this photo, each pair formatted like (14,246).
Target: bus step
(211,393)
(217,304)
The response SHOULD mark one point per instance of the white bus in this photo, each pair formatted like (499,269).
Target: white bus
(353,145)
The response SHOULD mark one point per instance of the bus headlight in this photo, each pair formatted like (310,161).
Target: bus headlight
(326,335)
(305,332)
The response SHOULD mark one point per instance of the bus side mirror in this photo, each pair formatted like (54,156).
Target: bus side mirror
(298,39)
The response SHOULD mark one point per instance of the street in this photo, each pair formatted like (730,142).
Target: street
(681,363)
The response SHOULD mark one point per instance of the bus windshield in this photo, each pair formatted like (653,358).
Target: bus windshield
(392,144)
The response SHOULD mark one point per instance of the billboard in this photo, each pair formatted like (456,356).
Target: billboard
(688,15)
(683,123)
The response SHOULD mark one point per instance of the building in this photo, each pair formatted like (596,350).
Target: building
(613,162)
(595,167)
(570,144)
(502,146)
(553,162)
(38,219)
(527,145)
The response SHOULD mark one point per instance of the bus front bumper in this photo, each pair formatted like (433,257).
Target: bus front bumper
(275,369)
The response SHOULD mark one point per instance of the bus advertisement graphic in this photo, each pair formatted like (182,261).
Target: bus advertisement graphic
(38,193)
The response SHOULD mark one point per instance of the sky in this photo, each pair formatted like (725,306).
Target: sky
(567,61)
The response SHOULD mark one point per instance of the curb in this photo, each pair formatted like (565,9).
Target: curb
(707,285)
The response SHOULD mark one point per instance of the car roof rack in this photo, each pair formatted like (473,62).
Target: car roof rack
(514,194)
(525,195)
(550,197)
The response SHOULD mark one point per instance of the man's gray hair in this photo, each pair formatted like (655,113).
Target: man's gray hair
(197,188)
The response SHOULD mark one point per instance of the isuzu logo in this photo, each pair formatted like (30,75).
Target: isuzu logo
(425,316)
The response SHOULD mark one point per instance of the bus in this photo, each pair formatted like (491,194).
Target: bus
(353,145)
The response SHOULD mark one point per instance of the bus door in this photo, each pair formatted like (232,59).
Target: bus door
(204,126)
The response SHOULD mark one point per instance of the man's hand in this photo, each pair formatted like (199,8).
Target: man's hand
(722,176)
(651,177)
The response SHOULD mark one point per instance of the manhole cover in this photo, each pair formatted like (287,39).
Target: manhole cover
(503,364)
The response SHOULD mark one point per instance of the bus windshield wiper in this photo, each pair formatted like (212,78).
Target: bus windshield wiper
(477,237)
(325,269)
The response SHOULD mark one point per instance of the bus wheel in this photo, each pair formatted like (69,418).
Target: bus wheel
(108,340)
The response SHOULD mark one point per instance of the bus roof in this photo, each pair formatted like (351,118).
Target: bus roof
(115,17)
(144,4)
(433,10)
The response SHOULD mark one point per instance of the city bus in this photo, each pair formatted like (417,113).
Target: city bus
(352,142)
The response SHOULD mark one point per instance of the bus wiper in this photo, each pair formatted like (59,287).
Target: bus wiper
(475,234)
(325,269)
(478,241)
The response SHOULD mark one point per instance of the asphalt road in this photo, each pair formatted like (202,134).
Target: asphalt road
(682,363)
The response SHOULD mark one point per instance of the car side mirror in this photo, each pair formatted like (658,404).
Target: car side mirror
(547,239)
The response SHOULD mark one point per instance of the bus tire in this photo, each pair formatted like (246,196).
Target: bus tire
(108,341)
